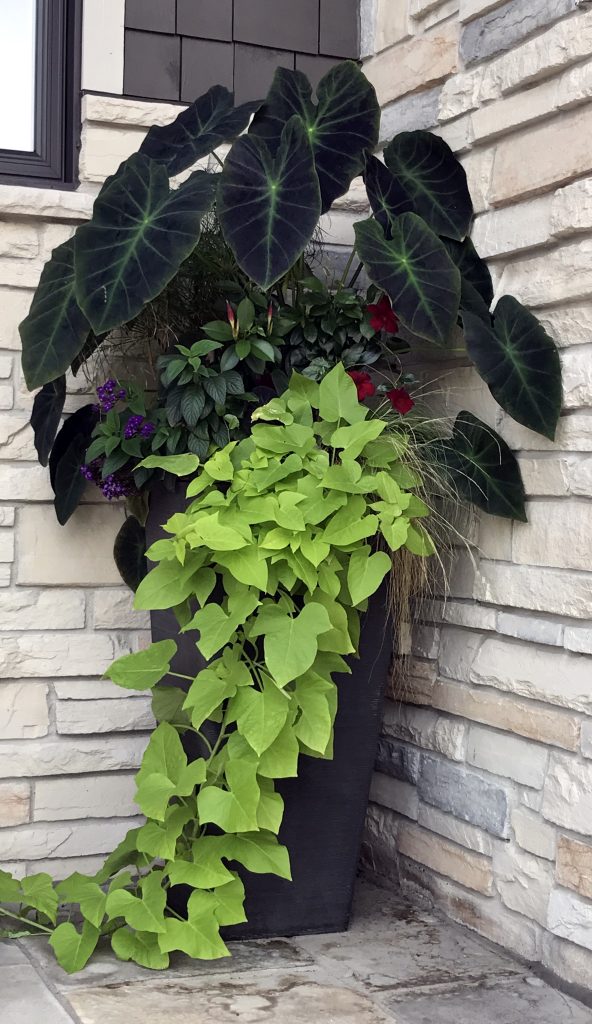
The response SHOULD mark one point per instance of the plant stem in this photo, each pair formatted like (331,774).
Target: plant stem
(216,157)
(27,921)
(356,275)
(347,269)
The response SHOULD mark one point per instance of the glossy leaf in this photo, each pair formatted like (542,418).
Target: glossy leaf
(483,468)
(138,237)
(476,284)
(269,204)
(520,363)
(129,552)
(203,126)
(80,423)
(388,198)
(435,181)
(46,415)
(69,482)
(342,125)
(55,328)
(415,271)
(142,670)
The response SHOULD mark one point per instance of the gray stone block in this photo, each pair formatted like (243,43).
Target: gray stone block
(398,760)
(464,794)
(420,110)
(505,27)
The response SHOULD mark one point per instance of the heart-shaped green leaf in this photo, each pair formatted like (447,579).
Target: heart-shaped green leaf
(39,893)
(55,328)
(519,362)
(341,126)
(483,469)
(73,949)
(430,174)
(45,417)
(234,809)
(366,572)
(415,271)
(269,205)
(199,935)
(141,947)
(206,124)
(143,669)
(140,234)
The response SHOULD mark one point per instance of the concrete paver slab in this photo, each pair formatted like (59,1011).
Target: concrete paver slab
(25,999)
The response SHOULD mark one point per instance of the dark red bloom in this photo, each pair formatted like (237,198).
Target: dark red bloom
(363,383)
(400,400)
(382,317)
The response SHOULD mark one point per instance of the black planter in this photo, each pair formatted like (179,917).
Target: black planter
(326,805)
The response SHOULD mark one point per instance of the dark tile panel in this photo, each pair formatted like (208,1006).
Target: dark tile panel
(205,19)
(314,67)
(279,24)
(254,68)
(340,28)
(151,15)
(205,63)
(152,65)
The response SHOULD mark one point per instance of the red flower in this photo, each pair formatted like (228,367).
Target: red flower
(382,317)
(363,383)
(400,400)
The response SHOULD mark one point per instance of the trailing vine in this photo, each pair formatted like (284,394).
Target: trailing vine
(270,567)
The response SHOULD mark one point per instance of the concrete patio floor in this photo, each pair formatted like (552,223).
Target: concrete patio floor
(399,964)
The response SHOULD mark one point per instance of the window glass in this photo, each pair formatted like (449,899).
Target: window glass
(18,32)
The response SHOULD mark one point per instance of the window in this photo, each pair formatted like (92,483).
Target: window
(39,91)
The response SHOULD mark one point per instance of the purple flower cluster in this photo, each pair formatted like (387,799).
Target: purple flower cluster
(92,472)
(138,425)
(108,395)
(114,486)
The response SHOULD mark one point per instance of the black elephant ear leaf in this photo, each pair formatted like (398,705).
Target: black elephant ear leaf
(69,481)
(269,204)
(129,553)
(206,124)
(520,363)
(80,423)
(415,271)
(55,328)
(45,417)
(483,469)
(434,180)
(386,196)
(342,125)
(140,234)
(475,275)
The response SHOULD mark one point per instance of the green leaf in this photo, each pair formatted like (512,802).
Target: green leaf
(78,888)
(231,903)
(142,670)
(271,807)
(353,439)
(395,533)
(55,328)
(124,854)
(338,398)
(290,644)
(141,947)
(280,760)
(199,936)
(167,704)
(315,724)
(366,572)
(258,852)
(165,586)
(39,893)
(235,809)
(349,525)
(419,541)
(269,205)
(483,469)
(341,126)
(206,693)
(10,888)
(138,237)
(153,795)
(205,871)
(145,913)
(520,363)
(416,272)
(202,127)
(46,415)
(215,629)
(178,465)
(160,840)
(216,535)
(436,183)
(129,552)
(74,949)
(247,566)
(260,715)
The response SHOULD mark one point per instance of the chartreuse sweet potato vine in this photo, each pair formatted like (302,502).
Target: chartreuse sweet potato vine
(269,568)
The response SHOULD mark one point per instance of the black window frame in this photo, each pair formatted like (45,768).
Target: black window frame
(54,161)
